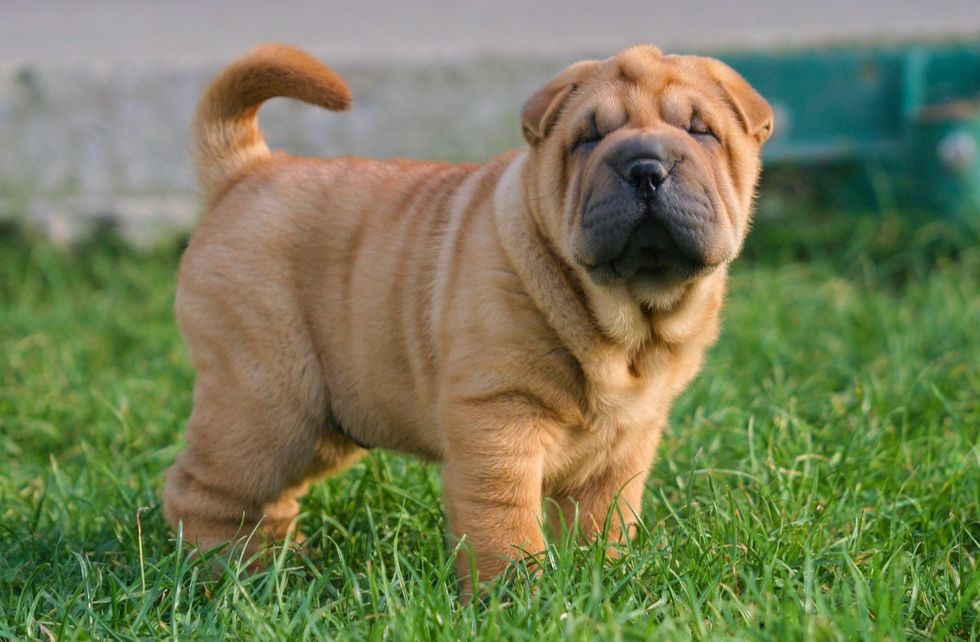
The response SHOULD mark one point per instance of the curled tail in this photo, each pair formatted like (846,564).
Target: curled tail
(226,134)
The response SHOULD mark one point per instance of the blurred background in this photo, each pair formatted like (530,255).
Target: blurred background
(817,482)
(96,97)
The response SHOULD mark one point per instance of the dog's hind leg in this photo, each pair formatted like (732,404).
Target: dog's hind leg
(258,432)
(246,464)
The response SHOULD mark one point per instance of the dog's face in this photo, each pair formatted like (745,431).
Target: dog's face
(646,167)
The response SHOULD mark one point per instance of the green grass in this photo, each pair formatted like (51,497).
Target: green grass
(821,479)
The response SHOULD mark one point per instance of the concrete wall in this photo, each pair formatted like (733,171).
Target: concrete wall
(86,146)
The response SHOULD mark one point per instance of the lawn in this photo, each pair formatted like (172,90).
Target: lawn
(820,480)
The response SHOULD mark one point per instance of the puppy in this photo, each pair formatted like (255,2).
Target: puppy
(527,322)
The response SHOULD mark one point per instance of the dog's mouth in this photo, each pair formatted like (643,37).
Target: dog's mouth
(662,269)
(650,254)
(666,236)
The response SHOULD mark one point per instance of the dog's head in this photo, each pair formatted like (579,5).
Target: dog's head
(646,166)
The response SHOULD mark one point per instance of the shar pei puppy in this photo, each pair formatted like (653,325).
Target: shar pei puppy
(526,322)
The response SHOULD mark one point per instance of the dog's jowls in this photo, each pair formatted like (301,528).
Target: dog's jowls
(527,322)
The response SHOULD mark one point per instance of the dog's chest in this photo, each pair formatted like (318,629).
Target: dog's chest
(627,395)
(621,419)
(625,408)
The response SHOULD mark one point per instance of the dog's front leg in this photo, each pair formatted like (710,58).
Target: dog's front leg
(609,502)
(492,479)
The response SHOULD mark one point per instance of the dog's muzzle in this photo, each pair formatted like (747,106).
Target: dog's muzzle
(647,211)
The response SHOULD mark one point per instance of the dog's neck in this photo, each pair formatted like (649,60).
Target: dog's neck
(600,325)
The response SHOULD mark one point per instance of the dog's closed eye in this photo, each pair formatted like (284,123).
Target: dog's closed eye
(590,137)
(701,130)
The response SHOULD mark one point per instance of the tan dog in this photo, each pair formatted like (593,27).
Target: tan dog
(528,322)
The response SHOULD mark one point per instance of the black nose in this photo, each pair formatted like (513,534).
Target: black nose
(647,174)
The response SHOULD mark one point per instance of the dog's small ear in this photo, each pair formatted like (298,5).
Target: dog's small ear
(752,109)
(541,110)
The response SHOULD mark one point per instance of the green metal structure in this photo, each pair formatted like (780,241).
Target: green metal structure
(910,113)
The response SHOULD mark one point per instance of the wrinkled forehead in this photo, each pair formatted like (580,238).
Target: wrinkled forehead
(648,68)
(658,81)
